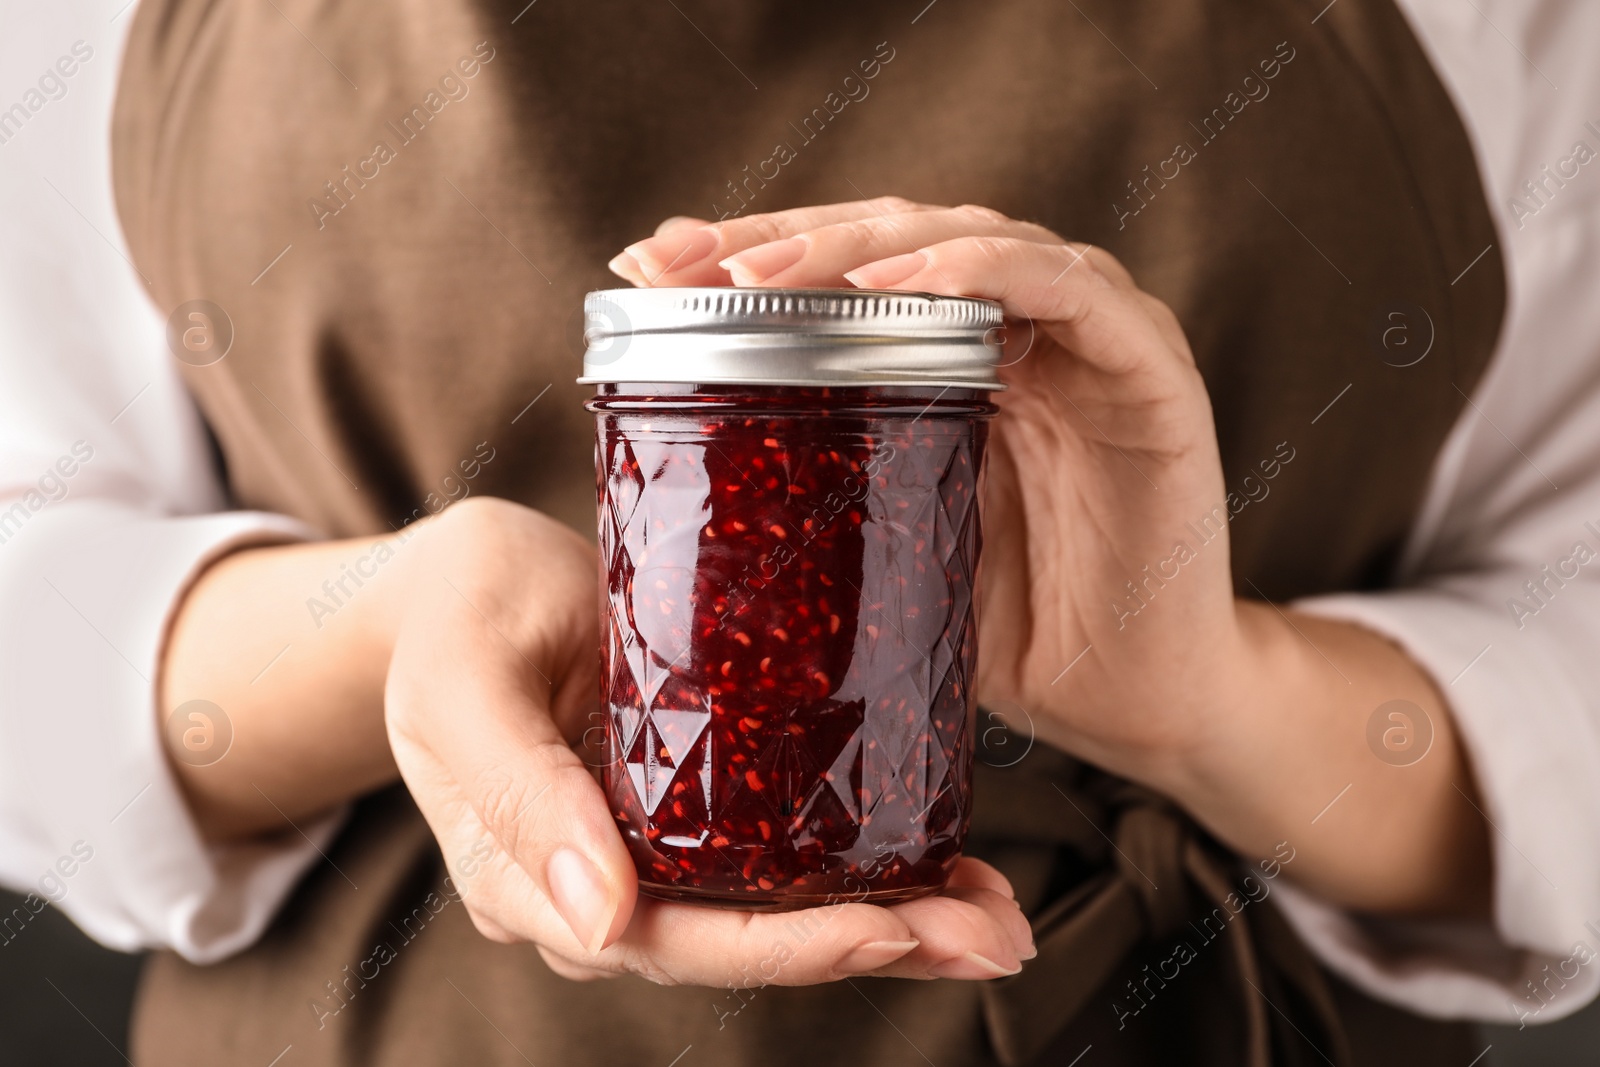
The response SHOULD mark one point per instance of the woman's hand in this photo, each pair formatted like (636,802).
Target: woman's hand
(491,685)
(470,648)
(1103,455)
(1107,602)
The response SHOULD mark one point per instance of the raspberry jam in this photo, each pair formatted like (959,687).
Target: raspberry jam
(789,644)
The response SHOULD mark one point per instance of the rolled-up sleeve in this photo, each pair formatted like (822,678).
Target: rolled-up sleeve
(91,815)
(1499,601)
(1523,702)
(110,507)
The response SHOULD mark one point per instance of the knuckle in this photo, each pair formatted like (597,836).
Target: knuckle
(894,204)
(1157,308)
(986,253)
(764,228)
(982,214)
(465,520)
(749,232)
(497,803)
(478,509)
(472,526)
(561,772)
(861,231)
(490,929)
(529,815)
(401,709)
(1088,261)
(572,970)
(1105,266)
(506,807)
(1042,234)
(650,969)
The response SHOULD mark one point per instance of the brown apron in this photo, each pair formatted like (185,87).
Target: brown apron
(400,206)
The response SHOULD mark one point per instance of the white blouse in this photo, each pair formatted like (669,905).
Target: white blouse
(110,504)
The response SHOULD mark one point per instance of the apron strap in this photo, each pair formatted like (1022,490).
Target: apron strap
(1161,877)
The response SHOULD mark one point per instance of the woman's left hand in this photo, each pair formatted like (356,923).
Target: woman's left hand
(1103,454)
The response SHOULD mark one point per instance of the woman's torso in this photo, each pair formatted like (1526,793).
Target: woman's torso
(400,213)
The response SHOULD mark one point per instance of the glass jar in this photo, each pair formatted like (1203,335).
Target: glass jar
(789,534)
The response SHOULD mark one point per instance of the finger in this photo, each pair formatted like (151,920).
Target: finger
(499,896)
(574,972)
(962,933)
(1011,919)
(502,898)
(489,760)
(1167,322)
(682,944)
(690,256)
(973,873)
(488,927)
(820,257)
(679,222)
(1079,297)
(625,266)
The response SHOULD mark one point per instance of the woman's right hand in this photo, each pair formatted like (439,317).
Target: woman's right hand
(493,680)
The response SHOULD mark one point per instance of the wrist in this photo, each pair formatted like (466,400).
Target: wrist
(1253,673)
(291,643)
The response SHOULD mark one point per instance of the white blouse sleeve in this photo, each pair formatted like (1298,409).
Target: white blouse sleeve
(1500,595)
(110,505)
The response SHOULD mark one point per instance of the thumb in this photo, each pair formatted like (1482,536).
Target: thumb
(481,710)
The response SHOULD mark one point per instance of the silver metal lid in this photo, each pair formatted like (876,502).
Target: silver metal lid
(835,337)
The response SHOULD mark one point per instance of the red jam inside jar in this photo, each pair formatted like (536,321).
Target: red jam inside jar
(788,595)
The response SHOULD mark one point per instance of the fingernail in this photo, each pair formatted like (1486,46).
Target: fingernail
(757,264)
(1022,935)
(673,251)
(581,897)
(971,967)
(626,267)
(887,272)
(874,954)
